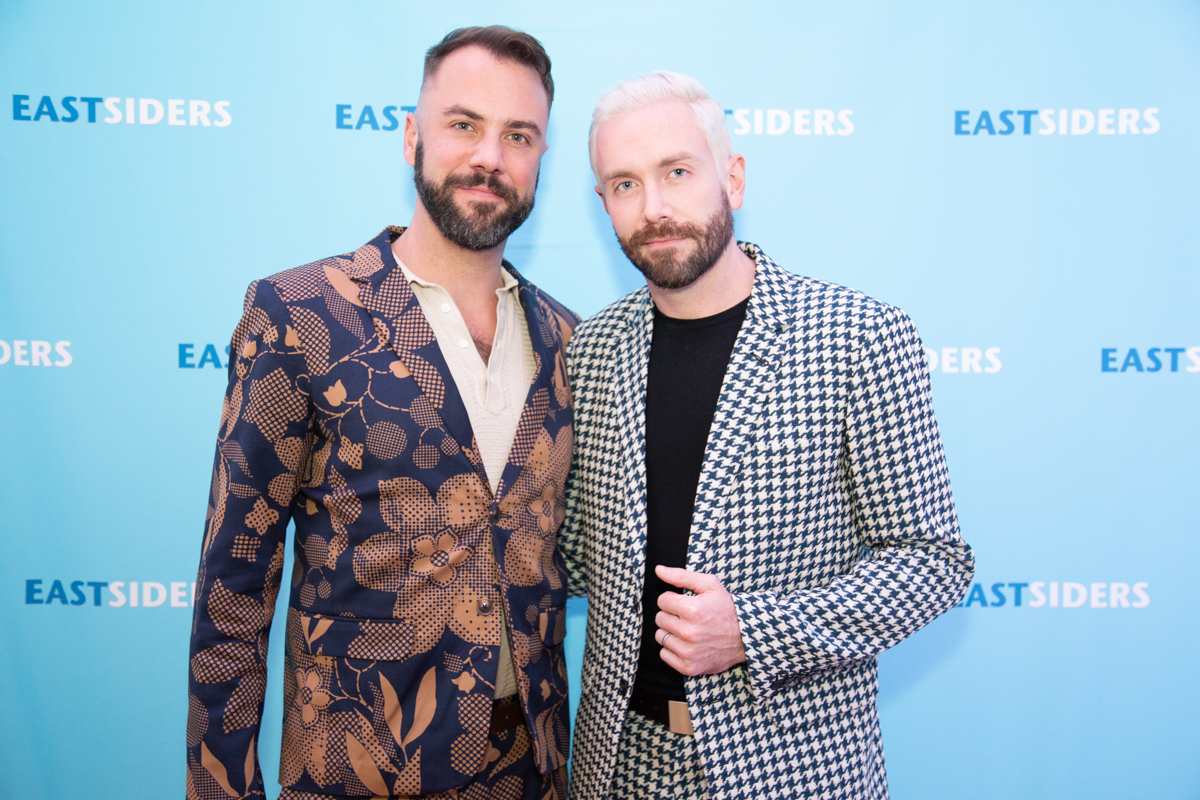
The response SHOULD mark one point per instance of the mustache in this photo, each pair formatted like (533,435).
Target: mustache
(667,229)
(493,184)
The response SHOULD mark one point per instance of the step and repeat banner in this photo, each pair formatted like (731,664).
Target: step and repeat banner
(1020,177)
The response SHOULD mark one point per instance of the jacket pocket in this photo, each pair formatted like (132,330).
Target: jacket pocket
(366,639)
(362,708)
(828,694)
(552,626)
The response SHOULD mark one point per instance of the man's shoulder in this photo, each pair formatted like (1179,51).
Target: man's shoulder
(811,301)
(334,273)
(294,280)
(816,294)
(612,322)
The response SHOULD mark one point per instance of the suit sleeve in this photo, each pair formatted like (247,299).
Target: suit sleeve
(570,537)
(916,564)
(262,444)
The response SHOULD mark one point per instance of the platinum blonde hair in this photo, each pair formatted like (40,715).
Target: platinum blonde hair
(664,87)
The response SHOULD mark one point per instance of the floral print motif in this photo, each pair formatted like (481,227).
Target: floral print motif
(544,508)
(438,559)
(310,698)
(342,417)
(529,557)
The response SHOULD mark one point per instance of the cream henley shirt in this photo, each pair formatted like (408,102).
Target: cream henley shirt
(493,393)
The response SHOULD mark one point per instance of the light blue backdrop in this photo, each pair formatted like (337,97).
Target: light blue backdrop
(1043,259)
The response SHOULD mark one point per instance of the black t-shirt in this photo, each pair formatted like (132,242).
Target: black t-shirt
(688,358)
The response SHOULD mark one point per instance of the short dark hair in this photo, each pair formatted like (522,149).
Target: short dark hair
(501,41)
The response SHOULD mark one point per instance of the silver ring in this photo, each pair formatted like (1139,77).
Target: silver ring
(663,643)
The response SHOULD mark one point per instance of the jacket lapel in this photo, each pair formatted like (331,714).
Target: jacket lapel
(546,341)
(399,320)
(631,361)
(750,381)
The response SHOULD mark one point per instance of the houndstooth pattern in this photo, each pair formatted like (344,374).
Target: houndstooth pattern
(655,764)
(824,507)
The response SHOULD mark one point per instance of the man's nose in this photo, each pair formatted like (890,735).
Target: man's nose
(488,156)
(656,207)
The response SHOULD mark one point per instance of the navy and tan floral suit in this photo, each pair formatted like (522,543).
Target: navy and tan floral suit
(341,416)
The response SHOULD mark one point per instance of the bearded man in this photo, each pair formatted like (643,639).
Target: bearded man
(407,406)
(759,503)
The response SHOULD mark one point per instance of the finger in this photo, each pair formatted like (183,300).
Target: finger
(672,624)
(672,660)
(680,647)
(675,603)
(686,579)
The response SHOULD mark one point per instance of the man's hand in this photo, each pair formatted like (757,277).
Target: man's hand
(699,634)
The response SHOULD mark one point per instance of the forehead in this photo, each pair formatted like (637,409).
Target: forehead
(641,138)
(473,78)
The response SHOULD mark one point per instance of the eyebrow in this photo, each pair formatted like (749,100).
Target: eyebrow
(518,124)
(524,125)
(666,162)
(462,111)
(677,157)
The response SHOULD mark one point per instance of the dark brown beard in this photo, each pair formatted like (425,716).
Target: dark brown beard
(671,269)
(489,225)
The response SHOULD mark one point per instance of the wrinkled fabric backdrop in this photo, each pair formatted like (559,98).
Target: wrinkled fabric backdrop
(1021,179)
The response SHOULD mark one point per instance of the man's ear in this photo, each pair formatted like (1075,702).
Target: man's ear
(735,180)
(410,139)
(603,202)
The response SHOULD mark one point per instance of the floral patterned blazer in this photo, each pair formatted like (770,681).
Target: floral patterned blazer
(341,415)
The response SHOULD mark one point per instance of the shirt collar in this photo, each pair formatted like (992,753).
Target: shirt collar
(510,282)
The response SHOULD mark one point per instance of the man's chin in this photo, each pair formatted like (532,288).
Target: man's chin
(667,259)
(479,212)
(665,276)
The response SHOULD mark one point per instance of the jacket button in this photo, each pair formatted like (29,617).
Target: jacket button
(624,686)
(495,515)
(485,606)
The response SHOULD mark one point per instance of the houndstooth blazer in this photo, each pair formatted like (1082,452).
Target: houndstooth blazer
(823,506)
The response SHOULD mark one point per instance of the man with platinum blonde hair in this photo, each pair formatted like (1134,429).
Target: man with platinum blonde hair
(759,503)
(662,87)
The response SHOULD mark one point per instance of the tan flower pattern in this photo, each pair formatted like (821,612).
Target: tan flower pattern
(437,559)
(310,698)
(529,557)
(545,509)
(341,416)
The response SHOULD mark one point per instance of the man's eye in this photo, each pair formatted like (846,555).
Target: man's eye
(678,172)
(463,126)
(520,138)
(623,185)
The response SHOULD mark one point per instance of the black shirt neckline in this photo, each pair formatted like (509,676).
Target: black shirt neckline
(702,322)
(685,371)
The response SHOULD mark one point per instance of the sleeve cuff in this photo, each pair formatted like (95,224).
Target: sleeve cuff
(756,613)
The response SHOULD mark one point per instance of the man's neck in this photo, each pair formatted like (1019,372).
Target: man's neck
(724,286)
(465,274)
